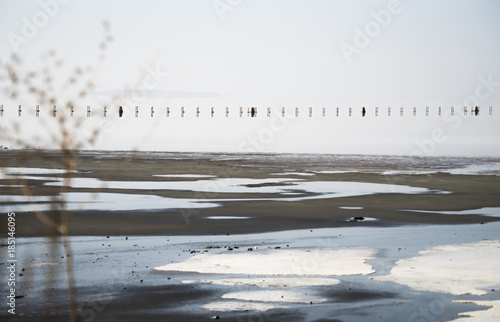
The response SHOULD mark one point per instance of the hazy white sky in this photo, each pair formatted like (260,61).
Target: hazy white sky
(271,54)
(281,49)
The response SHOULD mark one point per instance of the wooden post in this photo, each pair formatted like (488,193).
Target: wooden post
(439,111)
(19,111)
(212,111)
(296,112)
(310,111)
(227,111)
(137,111)
(182,111)
(72,111)
(152,111)
(376,111)
(1,110)
(324,112)
(350,111)
(37,111)
(452,110)
(88,111)
(491,110)
(268,112)
(198,111)
(105,111)
(401,111)
(168,111)
(337,112)
(389,111)
(241,111)
(465,110)
(414,111)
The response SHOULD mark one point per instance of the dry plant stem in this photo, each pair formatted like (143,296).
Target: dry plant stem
(41,86)
(70,166)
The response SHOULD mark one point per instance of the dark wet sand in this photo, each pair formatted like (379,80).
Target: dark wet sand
(468,192)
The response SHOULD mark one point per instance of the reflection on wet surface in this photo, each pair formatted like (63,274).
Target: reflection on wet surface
(298,284)
(486,211)
(287,189)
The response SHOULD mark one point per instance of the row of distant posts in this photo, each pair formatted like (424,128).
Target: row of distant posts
(252,111)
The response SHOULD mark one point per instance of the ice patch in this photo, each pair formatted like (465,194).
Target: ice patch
(351,208)
(303,262)
(456,269)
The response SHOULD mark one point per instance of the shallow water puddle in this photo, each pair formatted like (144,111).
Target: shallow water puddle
(184,175)
(307,174)
(12,171)
(324,189)
(225,217)
(269,282)
(486,211)
(491,314)
(273,296)
(99,201)
(290,189)
(227,306)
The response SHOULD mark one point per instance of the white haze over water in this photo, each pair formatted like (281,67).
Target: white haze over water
(288,53)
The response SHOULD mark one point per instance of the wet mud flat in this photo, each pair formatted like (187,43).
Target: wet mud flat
(169,236)
(171,194)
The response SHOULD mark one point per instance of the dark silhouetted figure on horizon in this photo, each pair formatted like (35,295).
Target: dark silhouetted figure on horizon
(363,112)
(120,111)
(253,112)
(476,110)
